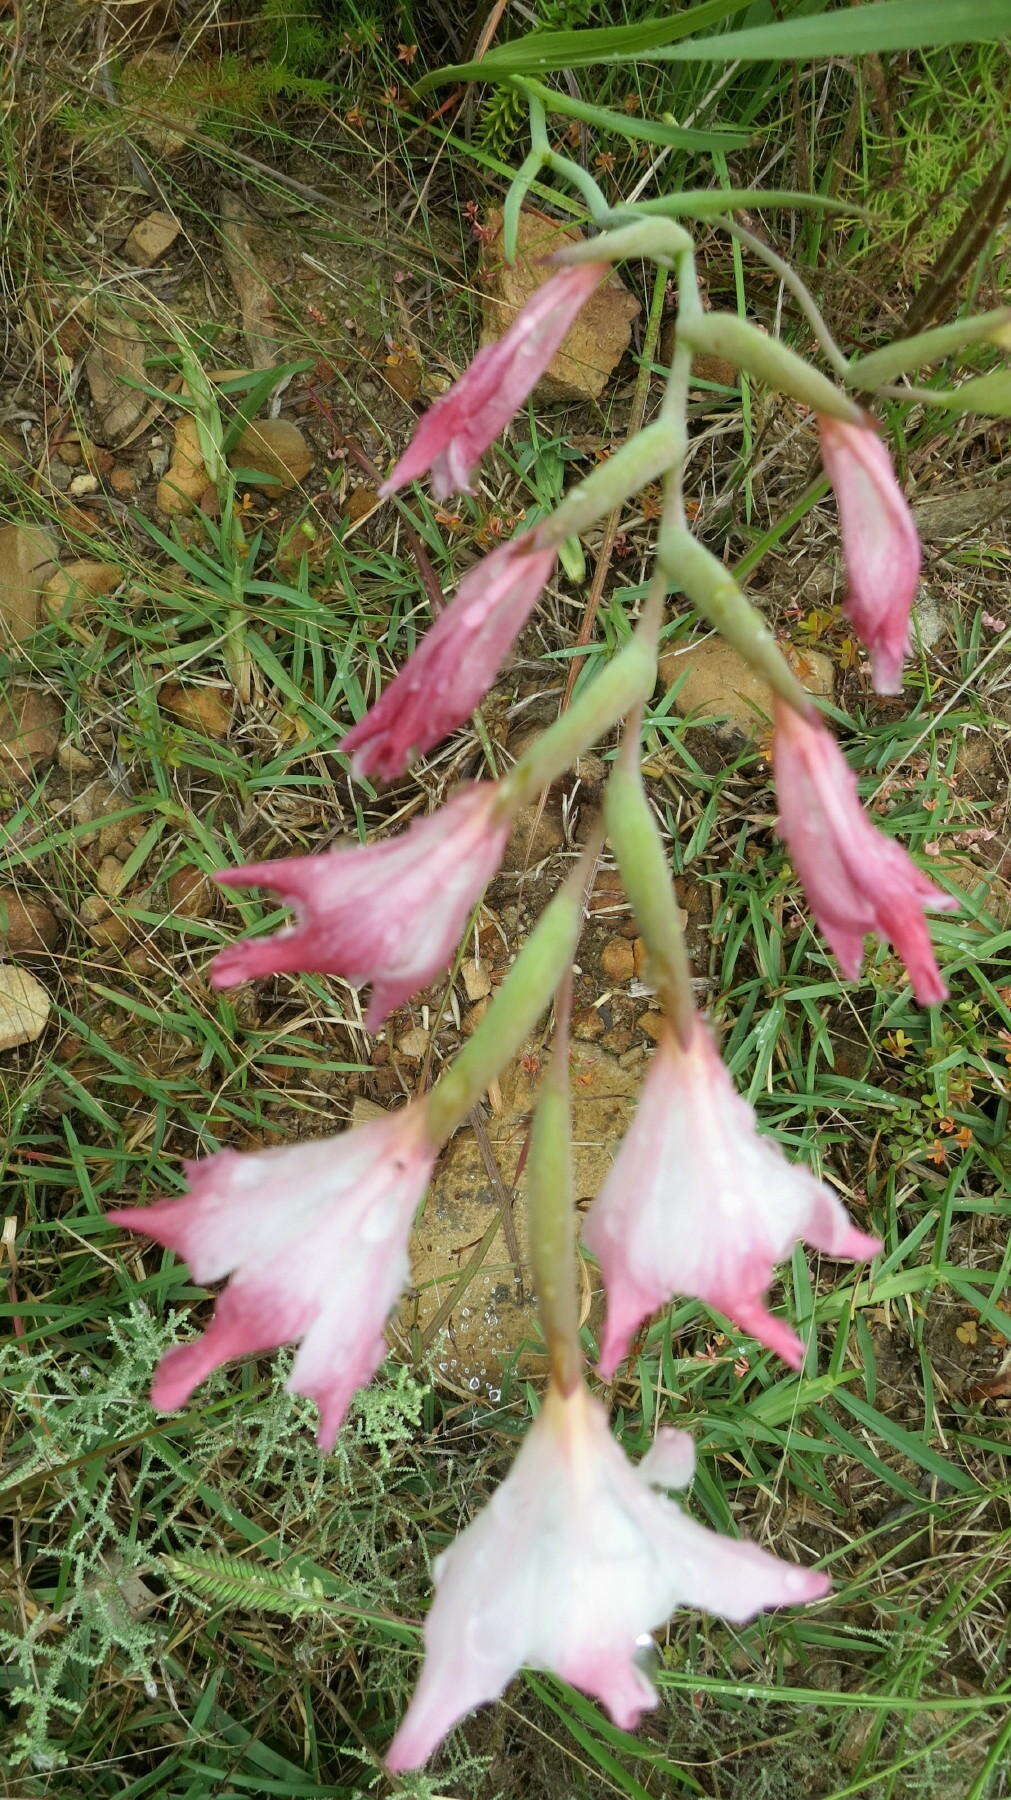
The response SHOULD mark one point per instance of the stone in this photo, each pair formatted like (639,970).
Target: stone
(165,96)
(30,724)
(601,334)
(202,708)
(150,238)
(414,1043)
(653,1024)
(122,480)
(24,1007)
(27,559)
(277,451)
(491,1321)
(587,1024)
(102,925)
(109,877)
(74,760)
(532,838)
(68,590)
(191,894)
(476,978)
(617,959)
(82,485)
(718,688)
(185,478)
(27,925)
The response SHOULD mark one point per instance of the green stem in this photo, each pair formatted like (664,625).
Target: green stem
(626,682)
(645,871)
(518,1005)
(551,1208)
(639,461)
(769,360)
(714,593)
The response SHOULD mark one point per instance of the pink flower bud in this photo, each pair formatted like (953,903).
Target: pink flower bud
(455,664)
(454,434)
(314,1237)
(856,879)
(880,542)
(698,1202)
(572,1563)
(389,913)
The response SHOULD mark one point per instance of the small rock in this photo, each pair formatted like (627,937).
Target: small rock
(607,895)
(476,978)
(122,480)
(191,894)
(472,1017)
(929,620)
(202,708)
(414,1043)
(67,591)
(83,484)
(109,877)
(653,1024)
(617,1040)
(27,557)
(522,851)
(24,1007)
(150,238)
(617,960)
(26,925)
(278,453)
(186,476)
(73,760)
(92,807)
(13,453)
(29,731)
(587,1024)
(101,923)
(162,99)
(70,452)
(601,334)
(717,687)
(363,1112)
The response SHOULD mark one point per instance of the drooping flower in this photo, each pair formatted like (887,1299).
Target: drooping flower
(880,542)
(697,1202)
(453,435)
(572,1562)
(314,1237)
(856,879)
(455,663)
(389,913)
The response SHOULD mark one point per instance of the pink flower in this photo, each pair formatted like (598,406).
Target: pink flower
(314,1237)
(574,1559)
(455,664)
(880,541)
(856,879)
(390,913)
(454,434)
(698,1202)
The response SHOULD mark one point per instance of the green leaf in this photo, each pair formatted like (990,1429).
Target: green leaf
(542,51)
(987,394)
(926,347)
(846,31)
(653,131)
(709,203)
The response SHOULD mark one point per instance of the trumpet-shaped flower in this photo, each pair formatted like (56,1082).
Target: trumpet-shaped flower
(698,1202)
(856,879)
(880,542)
(314,1237)
(572,1563)
(389,913)
(453,435)
(455,663)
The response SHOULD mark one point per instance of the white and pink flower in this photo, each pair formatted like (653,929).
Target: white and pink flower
(572,1563)
(698,1202)
(390,913)
(856,879)
(880,542)
(453,435)
(456,662)
(314,1238)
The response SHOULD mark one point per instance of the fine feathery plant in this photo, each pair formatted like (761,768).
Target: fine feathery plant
(579,1556)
